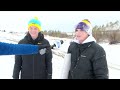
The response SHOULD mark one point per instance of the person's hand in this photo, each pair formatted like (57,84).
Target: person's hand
(43,49)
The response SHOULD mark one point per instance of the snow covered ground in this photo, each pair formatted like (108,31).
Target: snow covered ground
(7,61)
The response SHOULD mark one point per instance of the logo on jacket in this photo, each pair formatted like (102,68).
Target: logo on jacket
(83,56)
(39,43)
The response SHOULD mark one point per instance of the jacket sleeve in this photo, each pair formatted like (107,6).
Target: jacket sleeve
(18,49)
(48,57)
(69,51)
(100,67)
(72,44)
(17,66)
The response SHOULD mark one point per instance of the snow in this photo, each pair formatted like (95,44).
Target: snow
(7,61)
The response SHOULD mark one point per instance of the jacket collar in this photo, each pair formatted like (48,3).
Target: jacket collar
(89,39)
(39,38)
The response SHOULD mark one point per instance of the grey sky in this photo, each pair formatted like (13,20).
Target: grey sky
(54,20)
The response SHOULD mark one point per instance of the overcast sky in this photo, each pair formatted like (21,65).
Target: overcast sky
(54,20)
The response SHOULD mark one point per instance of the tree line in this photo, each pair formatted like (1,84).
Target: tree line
(56,33)
(109,32)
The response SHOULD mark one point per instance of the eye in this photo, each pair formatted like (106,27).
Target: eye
(78,30)
(35,28)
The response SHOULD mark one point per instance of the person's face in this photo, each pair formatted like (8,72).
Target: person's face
(33,31)
(80,35)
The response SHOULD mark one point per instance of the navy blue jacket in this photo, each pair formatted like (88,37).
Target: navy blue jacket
(33,66)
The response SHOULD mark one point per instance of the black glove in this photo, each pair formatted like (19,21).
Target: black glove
(49,76)
(53,46)
(44,46)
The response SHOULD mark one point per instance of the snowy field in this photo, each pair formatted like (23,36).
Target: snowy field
(7,61)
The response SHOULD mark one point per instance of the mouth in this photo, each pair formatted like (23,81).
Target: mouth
(78,36)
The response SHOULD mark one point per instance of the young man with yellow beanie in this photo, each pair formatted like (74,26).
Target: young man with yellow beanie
(88,59)
(34,66)
(21,49)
